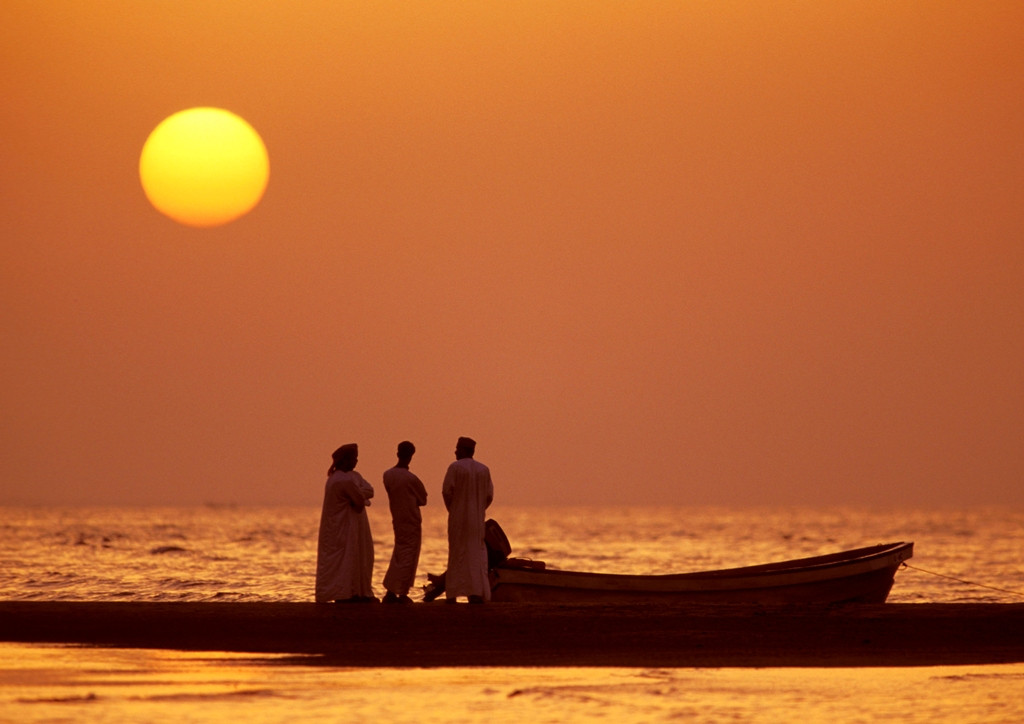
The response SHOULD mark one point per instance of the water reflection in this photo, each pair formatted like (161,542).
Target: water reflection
(48,683)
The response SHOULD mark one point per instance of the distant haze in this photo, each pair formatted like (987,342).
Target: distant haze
(731,253)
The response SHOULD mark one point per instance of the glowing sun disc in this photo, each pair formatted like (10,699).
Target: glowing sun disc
(204,167)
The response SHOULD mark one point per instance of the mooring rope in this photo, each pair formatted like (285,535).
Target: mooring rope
(961,580)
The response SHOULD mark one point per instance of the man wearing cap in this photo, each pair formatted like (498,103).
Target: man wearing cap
(467,492)
(344,560)
(405,496)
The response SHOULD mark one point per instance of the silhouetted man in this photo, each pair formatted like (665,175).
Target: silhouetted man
(344,559)
(405,496)
(467,492)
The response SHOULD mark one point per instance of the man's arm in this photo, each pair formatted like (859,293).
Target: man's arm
(448,488)
(351,492)
(419,490)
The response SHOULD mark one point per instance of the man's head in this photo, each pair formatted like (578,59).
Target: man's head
(345,457)
(465,448)
(405,451)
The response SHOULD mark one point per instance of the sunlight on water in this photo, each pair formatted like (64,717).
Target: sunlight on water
(45,683)
(254,554)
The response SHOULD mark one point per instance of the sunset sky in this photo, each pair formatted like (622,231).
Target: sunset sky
(736,253)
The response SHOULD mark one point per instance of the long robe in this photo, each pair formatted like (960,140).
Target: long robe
(344,560)
(405,496)
(467,491)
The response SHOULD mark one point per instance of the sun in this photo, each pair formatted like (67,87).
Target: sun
(204,167)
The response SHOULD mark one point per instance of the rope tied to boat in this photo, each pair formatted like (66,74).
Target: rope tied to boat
(961,580)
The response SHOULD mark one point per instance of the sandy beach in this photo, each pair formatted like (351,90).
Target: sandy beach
(540,635)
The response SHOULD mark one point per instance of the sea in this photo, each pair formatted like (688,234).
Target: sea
(236,553)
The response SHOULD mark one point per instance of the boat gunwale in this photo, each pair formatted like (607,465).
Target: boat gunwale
(854,562)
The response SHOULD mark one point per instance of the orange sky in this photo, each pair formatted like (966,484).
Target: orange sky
(686,252)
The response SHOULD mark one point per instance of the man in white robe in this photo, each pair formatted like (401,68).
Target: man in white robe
(344,561)
(405,496)
(467,492)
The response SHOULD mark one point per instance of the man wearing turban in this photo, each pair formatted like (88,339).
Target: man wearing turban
(344,561)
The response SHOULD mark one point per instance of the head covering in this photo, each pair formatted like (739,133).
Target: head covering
(466,443)
(344,451)
(406,449)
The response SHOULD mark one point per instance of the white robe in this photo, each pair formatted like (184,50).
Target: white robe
(344,560)
(467,491)
(405,496)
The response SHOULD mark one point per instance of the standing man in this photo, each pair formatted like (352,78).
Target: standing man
(405,496)
(467,491)
(344,558)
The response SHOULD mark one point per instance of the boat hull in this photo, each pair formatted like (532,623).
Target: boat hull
(863,575)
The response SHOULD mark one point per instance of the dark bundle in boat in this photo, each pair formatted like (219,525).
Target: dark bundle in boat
(498,550)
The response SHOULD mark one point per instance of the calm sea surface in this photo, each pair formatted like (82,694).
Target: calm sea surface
(251,554)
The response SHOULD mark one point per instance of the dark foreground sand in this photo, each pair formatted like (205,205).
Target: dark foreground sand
(541,635)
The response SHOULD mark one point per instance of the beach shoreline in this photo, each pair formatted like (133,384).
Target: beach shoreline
(504,634)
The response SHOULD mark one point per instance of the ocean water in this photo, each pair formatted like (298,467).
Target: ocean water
(269,554)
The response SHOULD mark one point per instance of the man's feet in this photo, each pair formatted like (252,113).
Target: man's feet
(358,599)
(395,598)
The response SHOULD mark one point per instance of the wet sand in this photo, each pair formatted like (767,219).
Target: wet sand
(540,635)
